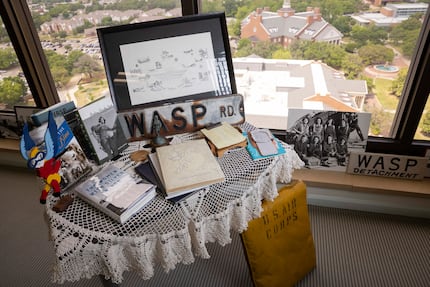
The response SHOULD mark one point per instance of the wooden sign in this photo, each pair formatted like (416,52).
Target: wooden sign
(182,117)
(387,165)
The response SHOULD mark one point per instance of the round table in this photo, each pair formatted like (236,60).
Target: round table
(87,242)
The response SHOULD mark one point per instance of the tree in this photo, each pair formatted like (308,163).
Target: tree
(343,24)
(425,127)
(211,6)
(244,48)
(11,90)
(281,54)
(409,43)
(106,21)
(330,54)
(87,65)
(352,65)
(234,28)
(398,83)
(7,58)
(376,54)
(61,75)
(380,122)
(265,49)
(368,35)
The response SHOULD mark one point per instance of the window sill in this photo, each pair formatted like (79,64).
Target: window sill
(359,183)
(10,154)
(9,145)
(312,178)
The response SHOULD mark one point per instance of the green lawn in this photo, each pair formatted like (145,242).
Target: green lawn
(89,92)
(390,102)
(382,91)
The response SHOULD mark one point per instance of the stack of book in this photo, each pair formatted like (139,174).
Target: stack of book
(180,169)
(116,193)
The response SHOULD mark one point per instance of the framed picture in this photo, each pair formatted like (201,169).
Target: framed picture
(8,125)
(106,136)
(167,61)
(23,115)
(324,139)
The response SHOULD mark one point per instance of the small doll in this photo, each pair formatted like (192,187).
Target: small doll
(42,158)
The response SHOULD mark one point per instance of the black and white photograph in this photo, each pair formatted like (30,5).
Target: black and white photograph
(23,115)
(8,125)
(324,139)
(102,126)
(74,164)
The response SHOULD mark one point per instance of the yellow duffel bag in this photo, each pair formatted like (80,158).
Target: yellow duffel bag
(279,245)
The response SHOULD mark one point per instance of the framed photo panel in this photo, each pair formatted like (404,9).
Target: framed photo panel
(324,139)
(23,115)
(167,61)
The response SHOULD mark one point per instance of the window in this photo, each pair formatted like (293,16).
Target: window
(395,128)
(403,136)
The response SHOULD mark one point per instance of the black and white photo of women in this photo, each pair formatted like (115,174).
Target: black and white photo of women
(322,139)
(301,147)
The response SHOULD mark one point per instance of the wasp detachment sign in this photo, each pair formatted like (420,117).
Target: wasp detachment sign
(387,165)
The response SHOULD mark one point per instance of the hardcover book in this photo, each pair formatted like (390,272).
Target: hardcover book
(187,166)
(223,137)
(77,126)
(74,163)
(116,193)
(151,171)
(58,109)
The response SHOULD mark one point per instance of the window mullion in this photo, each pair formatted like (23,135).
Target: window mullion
(190,7)
(24,37)
(416,90)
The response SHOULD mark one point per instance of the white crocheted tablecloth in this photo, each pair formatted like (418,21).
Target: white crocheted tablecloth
(89,243)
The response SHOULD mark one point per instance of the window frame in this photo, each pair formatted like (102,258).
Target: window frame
(410,108)
(19,24)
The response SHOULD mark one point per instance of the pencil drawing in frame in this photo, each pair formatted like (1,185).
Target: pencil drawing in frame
(167,61)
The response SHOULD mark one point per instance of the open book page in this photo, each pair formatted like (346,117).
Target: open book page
(223,136)
(188,165)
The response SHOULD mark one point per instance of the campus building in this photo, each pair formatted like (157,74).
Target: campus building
(390,15)
(271,86)
(285,26)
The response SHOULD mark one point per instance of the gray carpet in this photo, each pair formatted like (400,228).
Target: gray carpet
(353,248)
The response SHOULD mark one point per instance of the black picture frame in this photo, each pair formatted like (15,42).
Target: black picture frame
(167,61)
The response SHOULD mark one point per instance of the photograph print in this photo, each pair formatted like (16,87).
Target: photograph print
(324,139)
(23,115)
(8,125)
(102,126)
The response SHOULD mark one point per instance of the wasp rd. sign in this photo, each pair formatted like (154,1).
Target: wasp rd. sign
(394,166)
(183,117)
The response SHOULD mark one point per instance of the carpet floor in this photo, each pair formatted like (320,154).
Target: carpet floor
(353,248)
